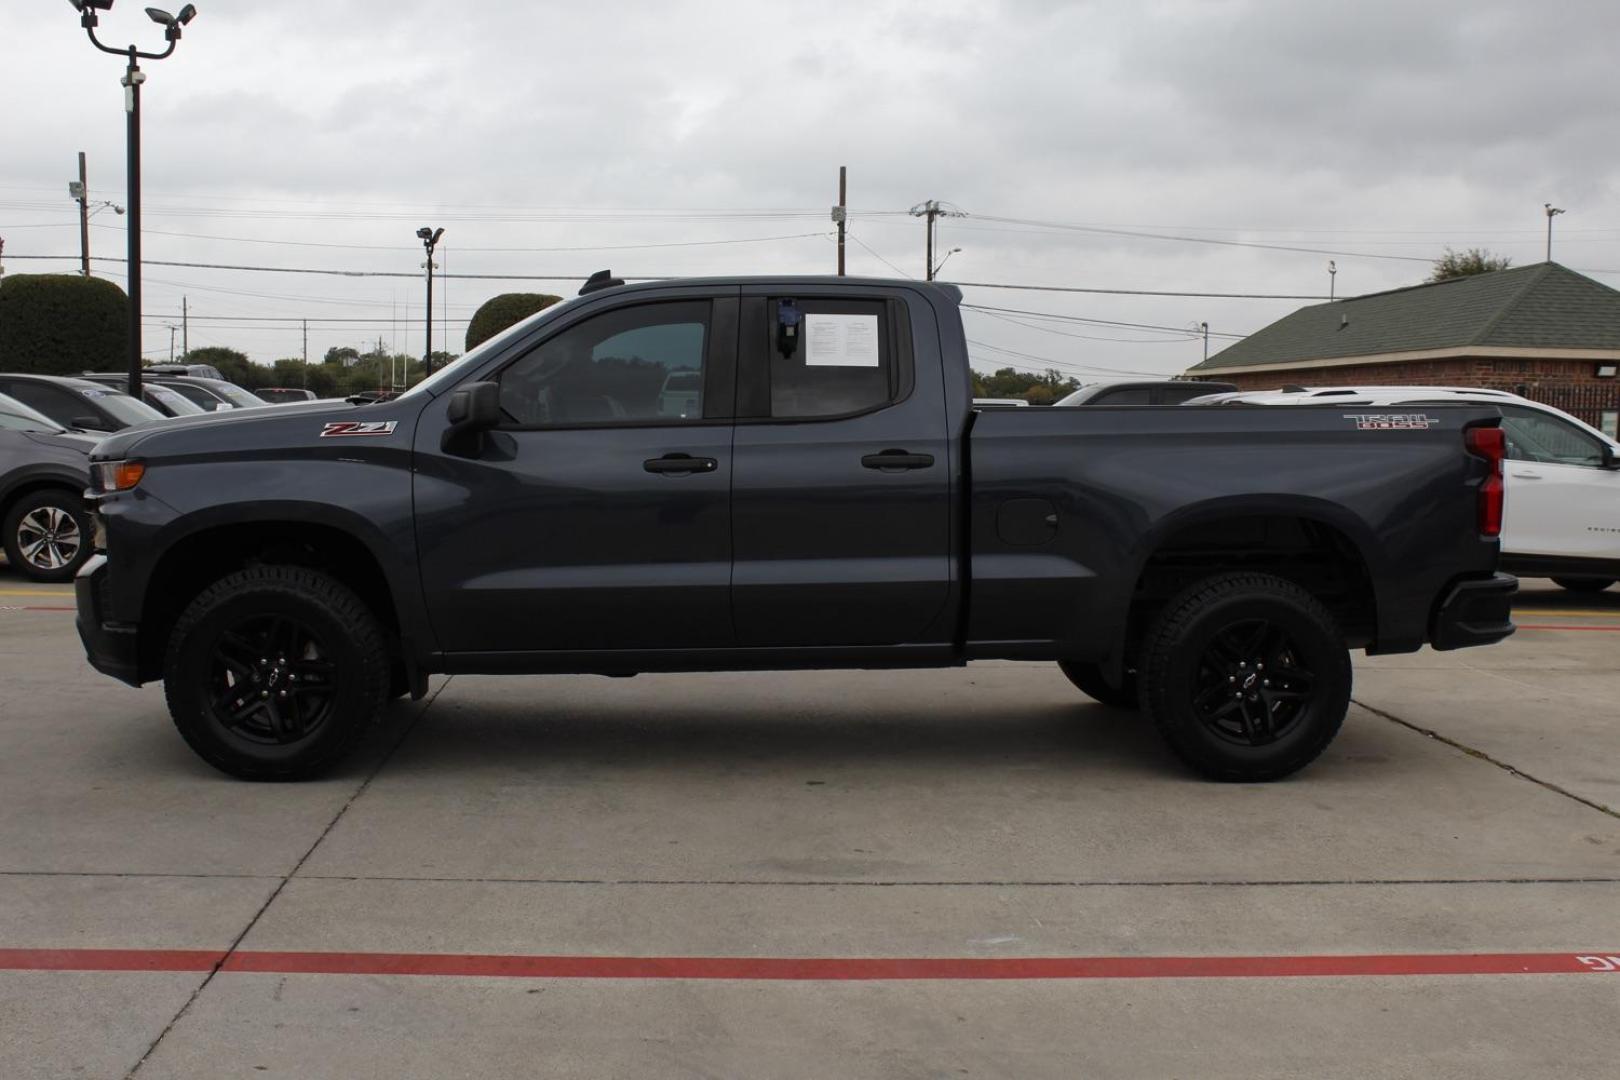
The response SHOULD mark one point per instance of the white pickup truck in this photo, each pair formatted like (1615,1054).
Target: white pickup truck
(1562,518)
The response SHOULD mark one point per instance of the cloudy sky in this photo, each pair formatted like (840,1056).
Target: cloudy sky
(1158,147)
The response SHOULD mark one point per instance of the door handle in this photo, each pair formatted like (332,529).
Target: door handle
(680,464)
(897,461)
(1525,475)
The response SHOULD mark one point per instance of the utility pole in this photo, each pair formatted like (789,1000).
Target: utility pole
(171,342)
(185,326)
(306,354)
(84,218)
(840,214)
(1552,212)
(1204,326)
(1333,273)
(932,210)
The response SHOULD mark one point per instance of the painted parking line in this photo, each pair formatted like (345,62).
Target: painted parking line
(810,969)
(1588,629)
(32,607)
(1568,613)
(36,592)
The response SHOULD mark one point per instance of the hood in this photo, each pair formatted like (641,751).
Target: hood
(66,440)
(274,427)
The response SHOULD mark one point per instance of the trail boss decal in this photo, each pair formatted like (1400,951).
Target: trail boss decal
(1366,421)
(349,428)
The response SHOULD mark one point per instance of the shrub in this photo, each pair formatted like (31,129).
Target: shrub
(62,324)
(502,311)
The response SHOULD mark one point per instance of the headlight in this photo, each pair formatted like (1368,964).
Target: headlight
(118,475)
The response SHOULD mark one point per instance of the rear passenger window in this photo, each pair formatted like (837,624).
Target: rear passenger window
(842,360)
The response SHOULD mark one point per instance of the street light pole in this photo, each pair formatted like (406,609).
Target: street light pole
(430,239)
(133,77)
(1552,212)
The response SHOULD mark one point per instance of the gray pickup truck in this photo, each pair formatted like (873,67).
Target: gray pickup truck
(780,473)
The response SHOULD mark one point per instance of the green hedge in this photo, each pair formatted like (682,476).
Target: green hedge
(502,311)
(62,324)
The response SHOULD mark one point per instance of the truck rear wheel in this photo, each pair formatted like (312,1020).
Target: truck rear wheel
(1090,681)
(1246,676)
(275,673)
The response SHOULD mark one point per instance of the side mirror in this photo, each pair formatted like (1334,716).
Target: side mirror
(1610,459)
(89,423)
(473,408)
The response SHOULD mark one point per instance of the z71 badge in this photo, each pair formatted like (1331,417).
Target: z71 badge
(1392,421)
(349,428)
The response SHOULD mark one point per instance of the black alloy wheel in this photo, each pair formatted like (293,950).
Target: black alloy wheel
(1252,686)
(276,672)
(1246,675)
(271,680)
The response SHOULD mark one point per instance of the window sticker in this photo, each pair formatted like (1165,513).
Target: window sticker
(841,341)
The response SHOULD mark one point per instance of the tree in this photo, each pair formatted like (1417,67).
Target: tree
(1459,264)
(62,324)
(502,311)
(1042,389)
(341,354)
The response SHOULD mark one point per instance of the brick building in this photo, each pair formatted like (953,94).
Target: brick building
(1542,331)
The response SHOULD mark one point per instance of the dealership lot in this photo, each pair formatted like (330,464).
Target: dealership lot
(983,814)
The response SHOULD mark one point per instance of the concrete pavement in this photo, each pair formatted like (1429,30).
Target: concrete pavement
(991,812)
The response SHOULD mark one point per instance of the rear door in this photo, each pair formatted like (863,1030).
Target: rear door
(841,499)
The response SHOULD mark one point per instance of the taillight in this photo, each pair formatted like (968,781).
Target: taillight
(1491,444)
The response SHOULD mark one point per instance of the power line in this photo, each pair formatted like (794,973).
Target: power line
(1136,292)
(529,250)
(1097,322)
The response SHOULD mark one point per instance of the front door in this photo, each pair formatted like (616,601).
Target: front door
(1560,499)
(841,502)
(597,517)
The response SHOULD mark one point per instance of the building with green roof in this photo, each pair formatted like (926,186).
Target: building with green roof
(1543,331)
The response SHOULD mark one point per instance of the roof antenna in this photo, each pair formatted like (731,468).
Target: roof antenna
(602,279)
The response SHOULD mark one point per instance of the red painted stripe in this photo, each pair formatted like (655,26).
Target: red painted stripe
(1544,626)
(810,969)
(41,608)
(108,960)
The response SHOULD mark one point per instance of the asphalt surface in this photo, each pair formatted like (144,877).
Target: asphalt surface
(869,874)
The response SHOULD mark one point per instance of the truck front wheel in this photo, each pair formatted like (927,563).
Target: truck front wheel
(276,672)
(1246,676)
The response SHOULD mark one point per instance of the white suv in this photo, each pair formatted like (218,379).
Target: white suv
(1562,518)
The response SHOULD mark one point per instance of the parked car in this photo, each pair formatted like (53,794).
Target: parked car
(531,508)
(1142,392)
(45,525)
(1013,402)
(164,399)
(199,371)
(1562,518)
(213,395)
(281,395)
(77,404)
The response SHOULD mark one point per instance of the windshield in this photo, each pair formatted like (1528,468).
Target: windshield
(177,404)
(123,408)
(15,416)
(236,395)
(454,370)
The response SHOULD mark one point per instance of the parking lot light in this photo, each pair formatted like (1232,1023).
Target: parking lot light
(132,80)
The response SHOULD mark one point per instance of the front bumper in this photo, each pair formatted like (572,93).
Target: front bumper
(112,648)
(1476,611)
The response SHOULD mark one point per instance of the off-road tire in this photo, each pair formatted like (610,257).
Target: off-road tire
(1183,665)
(1090,681)
(60,499)
(1583,584)
(345,636)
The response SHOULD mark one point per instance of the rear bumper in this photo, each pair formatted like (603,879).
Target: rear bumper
(1474,612)
(112,648)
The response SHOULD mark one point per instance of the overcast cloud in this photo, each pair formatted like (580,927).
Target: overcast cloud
(1384,129)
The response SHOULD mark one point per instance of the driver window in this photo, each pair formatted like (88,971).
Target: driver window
(640,364)
(1533,436)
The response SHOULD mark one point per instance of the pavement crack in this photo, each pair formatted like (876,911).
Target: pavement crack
(1475,752)
(387,756)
